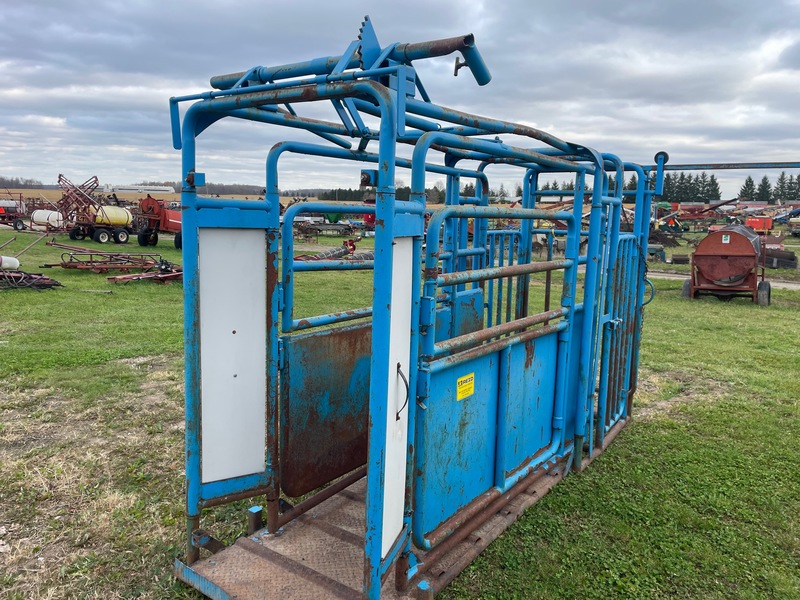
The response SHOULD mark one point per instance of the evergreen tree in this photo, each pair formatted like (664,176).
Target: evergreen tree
(502,191)
(748,191)
(693,193)
(713,193)
(792,191)
(764,191)
(668,188)
(681,188)
(781,191)
(702,187)
(518,191)
(632,183)
(469,190)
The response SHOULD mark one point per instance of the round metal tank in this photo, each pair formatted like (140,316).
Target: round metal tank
(726,257)
(47,217)
(113,216)
(4,203)
(9,263)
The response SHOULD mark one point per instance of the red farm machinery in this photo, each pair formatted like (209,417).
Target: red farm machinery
(84,216)
(726,264)
(158,216)
(13,211)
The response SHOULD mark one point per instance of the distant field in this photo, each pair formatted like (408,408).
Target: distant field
(54,195)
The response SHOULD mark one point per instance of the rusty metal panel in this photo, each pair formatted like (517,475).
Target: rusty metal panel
(324,406)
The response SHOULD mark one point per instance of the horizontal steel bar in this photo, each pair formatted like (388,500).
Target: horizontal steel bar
(464,252)
(441,364)
(320,497)
(332,265)
(469,339)
(331,318)
(723,166)
(499,272)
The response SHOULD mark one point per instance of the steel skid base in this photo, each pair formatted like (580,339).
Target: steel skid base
(321,554)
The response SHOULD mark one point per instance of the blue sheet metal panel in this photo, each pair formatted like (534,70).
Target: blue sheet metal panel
(573,401)
(456,461)
(469,315)
(528,418)
(324,406)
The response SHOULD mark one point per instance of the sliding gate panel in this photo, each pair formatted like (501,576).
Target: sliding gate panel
(529,374)
(456,459)
(324,406)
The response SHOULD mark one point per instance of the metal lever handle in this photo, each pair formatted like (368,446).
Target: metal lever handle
(403,377)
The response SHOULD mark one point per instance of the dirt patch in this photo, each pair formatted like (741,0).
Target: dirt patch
(82,487)
(664,392)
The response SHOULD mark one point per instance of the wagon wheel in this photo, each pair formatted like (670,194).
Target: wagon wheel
(121,236)
(764,293)
(101,236)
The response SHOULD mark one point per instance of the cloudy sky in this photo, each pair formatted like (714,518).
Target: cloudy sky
(84,84)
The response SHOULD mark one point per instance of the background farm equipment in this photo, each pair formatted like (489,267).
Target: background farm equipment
(84,216)
(85,259)
(761,225)
(13,212)
(12,278)
(158,216)
(163,272)
(726,264)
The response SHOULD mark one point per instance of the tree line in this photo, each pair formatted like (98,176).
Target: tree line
(20,183)
(786,189)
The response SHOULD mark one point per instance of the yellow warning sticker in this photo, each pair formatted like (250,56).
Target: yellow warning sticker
(465,386)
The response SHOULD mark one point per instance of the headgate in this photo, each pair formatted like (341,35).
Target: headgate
(382,436)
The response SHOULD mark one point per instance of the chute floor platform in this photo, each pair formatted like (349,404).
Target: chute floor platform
(320,554)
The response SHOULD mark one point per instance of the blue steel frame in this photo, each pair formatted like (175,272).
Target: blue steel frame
(597,336)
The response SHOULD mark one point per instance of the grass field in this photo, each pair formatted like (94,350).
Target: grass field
(698,498)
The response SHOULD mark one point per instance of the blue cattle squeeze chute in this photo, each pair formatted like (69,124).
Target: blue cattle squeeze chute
(389,444)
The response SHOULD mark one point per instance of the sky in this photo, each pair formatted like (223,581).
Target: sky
(85,84)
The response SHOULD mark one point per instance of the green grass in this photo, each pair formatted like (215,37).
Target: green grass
(698,498)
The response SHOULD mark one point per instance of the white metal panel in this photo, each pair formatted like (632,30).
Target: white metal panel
(397,431)
(233,334)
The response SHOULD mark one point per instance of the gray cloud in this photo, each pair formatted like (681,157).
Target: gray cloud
(84,85)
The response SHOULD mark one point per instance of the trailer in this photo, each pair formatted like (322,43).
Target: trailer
(388,444)
(13,212)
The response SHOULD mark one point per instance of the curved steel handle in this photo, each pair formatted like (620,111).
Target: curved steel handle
(652,292)
(403,377)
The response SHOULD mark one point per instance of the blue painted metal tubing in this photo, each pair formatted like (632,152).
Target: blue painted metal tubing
(399,52)
(331,318)
(497,272)
(333,265)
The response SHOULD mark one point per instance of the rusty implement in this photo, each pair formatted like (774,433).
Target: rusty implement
(162,272)
(23,280)
(729,263)
(105,262)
